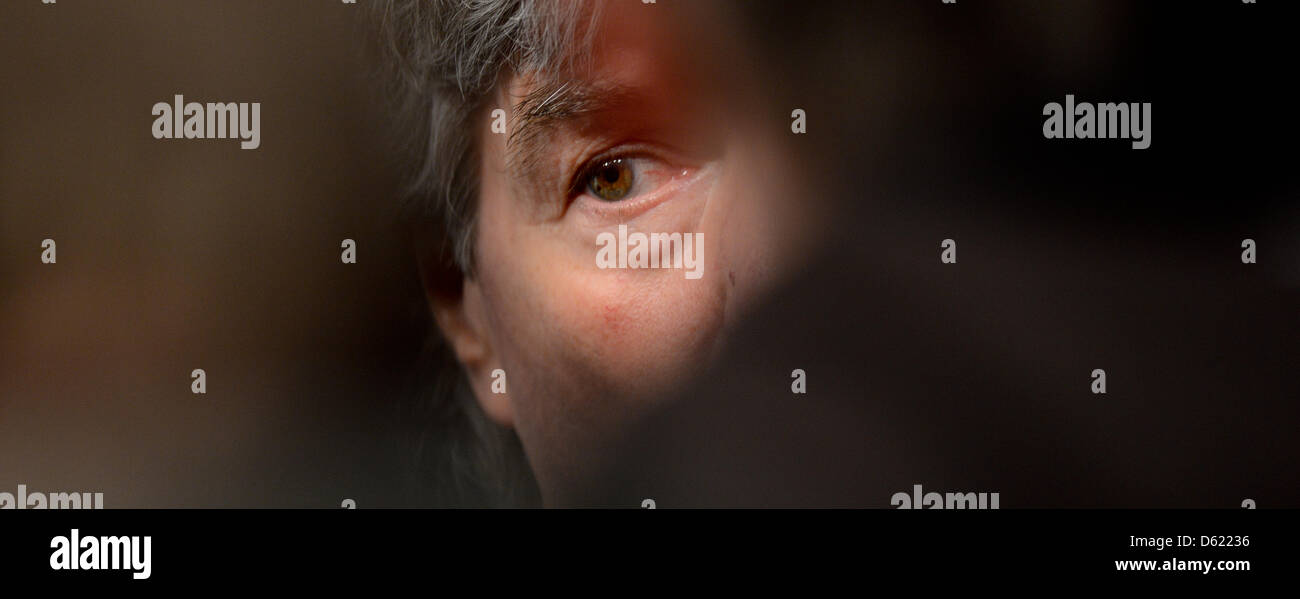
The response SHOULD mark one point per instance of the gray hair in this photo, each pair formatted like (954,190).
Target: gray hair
(444,60)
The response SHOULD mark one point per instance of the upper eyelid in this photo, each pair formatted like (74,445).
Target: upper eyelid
(630,150)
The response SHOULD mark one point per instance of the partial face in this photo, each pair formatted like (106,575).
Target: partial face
(645,139)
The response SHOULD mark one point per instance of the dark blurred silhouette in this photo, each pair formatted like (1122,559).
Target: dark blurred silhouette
(975,376)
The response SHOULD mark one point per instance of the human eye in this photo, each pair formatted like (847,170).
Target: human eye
(625,180)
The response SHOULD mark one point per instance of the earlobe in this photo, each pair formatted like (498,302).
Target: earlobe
(463,323)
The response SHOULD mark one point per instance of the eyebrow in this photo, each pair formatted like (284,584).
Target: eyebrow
(549,106)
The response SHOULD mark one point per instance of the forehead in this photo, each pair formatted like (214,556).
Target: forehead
(635,72)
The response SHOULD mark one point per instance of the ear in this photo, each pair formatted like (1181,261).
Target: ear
(461,315)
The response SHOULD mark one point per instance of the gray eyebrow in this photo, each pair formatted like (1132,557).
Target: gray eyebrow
(548,106)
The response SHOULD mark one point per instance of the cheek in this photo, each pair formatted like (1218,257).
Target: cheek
(576,335)
(567,332)
(641,329)
(574,332)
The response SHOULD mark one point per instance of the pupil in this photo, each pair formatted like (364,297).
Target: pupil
(610,174)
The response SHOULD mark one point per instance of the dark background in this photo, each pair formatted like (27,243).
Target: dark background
(183,254)
(925,123)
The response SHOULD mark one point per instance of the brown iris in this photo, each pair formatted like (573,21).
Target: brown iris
(610,180)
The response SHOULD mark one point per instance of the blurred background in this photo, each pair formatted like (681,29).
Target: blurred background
(183,254)
(924,123)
